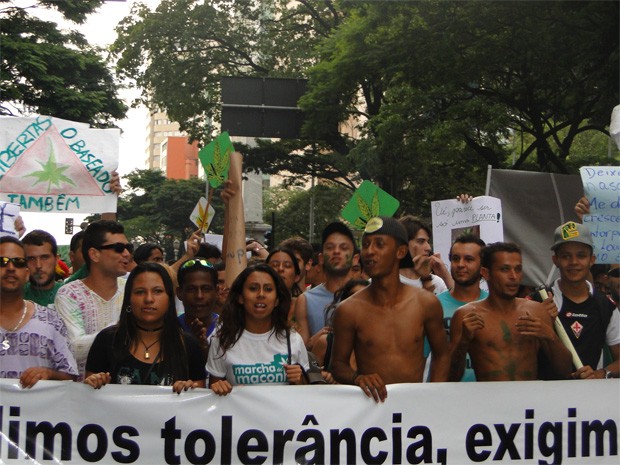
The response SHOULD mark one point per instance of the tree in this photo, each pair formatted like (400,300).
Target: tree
(157,209)
(46,71)
(178,53)
(292,209)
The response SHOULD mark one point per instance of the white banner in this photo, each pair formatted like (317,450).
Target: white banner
(572,422)
(53,165)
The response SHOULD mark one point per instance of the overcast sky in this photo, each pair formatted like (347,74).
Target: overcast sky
(99,30)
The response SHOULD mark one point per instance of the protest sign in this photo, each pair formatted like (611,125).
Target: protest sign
(215,159)
(202,215)
(367,202)
(8,214)
(452,218)
(443,423)
(53,165)
(601,186)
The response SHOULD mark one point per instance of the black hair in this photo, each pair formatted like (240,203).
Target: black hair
(295,291)
(40,237)
(173,358)
(11,240)
(233,313)
(299,245)
(76,241)
(94,236)
(208,250)
(490,250)
(467,239)
(144,251)
(413,225)
(188,267)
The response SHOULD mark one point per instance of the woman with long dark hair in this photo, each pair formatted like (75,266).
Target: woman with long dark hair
(147,346)
(254,343)
(284,262)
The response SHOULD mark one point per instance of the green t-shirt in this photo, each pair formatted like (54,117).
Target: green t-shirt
(42,297)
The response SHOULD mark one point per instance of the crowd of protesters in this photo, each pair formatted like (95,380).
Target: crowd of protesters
(372,313)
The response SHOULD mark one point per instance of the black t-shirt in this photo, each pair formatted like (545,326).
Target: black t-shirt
(130,370)
(586,326)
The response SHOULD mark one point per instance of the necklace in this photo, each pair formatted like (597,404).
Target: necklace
(154,330)
(147,355)
(5,342)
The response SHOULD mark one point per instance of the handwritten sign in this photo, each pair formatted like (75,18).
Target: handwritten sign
(200,217)
(452,218)
(215,159)
(53,165)
(368,201)
(601,185)
(8,214)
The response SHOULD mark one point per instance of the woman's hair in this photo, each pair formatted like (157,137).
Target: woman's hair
(341,294)
(144,251)
(173,357)
(295,291)
(233,312)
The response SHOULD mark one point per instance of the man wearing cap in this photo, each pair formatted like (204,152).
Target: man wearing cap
(385,323)
(337,257)
(590,319)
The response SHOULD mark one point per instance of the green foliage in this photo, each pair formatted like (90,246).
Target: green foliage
(155,208)
(417,97)
(292,209)
(178,53)
(55,73)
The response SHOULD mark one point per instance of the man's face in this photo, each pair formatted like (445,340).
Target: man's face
(504,276)
(12,278)
(198,294)
(613,283)
(41,264)
(381,254)
(337,254)
(420,244)
(110,261)
(465,263)
(574,260)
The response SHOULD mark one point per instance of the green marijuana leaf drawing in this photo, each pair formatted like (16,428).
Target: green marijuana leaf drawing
(52,173)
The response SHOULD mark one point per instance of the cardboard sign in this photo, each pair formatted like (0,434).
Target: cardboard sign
(215,159)
(53,165)
(8,214)
(199,216)
(368,201)
(601,185)
(481,217)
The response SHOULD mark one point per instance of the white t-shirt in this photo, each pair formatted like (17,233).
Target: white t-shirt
(439,284)
(256,358)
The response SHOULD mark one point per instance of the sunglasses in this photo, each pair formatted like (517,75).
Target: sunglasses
(196,262)
(18,262)
(614,273)
(118,247)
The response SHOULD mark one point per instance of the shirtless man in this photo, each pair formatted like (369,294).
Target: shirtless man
(385,323)
(502,333)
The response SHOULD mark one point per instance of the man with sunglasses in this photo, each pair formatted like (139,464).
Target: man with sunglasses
(33,338)
(42,255)
(93,303)
(197,290)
